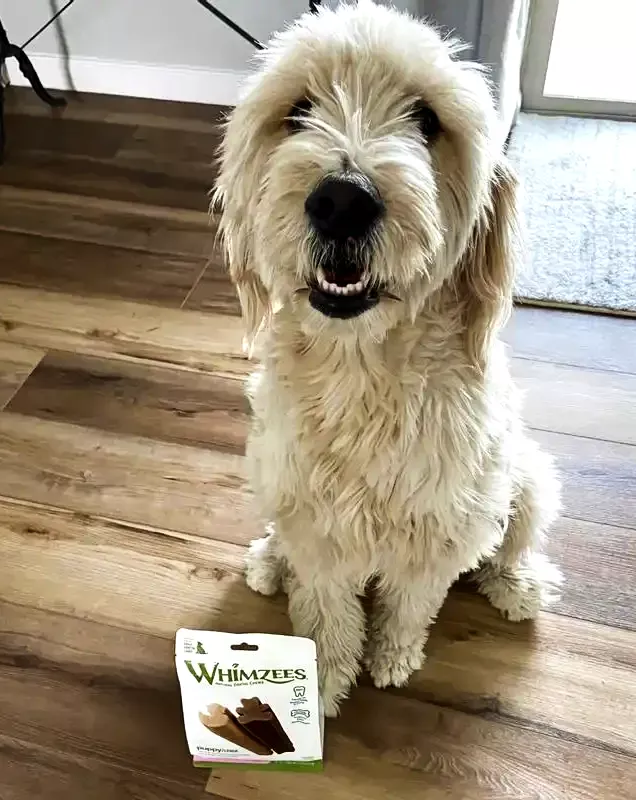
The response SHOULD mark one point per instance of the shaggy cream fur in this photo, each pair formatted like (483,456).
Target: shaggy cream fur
(387,447)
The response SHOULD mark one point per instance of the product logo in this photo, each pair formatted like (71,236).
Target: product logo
(217,674)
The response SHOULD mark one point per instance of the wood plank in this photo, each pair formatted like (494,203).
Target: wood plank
(137,578)
(135,479)
(80,136)
(583,402)
(64,135)
(95,696)
(214,293)
(17,362)
(180,185)
(83,650)
(165,144)
(159,402)
(152,229)
(599,477)
(599,565)
(559,674)
(575,338)
(555,673)
(30,771)
(87,269)
(386,747)
(102,326)
(116,693)
(118,110)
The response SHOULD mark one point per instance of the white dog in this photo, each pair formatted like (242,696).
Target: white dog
(369,222)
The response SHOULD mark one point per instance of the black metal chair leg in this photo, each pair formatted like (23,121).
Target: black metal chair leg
(28,70)
(8,50)
(2,132)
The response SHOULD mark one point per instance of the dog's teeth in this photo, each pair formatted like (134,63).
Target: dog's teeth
(334,288)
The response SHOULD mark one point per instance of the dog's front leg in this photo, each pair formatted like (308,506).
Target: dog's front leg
(406,604)
(327,609)
(264,566)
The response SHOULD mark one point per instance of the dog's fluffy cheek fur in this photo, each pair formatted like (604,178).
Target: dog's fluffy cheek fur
(281,240)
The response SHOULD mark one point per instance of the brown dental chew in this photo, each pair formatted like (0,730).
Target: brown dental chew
(260,721)
(223,723)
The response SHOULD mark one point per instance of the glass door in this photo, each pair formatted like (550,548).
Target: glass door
(580,58)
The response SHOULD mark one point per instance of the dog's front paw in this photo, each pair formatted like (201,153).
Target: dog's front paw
(520,591)
(262,567)
(391,665)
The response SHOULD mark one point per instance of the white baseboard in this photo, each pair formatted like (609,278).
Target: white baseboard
(157,81)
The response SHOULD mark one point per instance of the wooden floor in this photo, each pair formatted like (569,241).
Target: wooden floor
(124,515)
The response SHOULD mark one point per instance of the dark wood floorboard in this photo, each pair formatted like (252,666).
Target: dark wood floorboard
(211,292)
(130,397)
(77,218)
(152,143)
(17,362)
(170,185)
(72,137)
(115,109)
(62,265)
(29,770)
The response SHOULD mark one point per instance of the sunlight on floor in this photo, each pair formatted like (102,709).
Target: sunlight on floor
(593,54)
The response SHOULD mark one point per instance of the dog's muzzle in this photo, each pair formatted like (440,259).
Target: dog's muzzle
(342,211)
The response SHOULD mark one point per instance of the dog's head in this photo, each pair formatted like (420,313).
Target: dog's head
(360,175)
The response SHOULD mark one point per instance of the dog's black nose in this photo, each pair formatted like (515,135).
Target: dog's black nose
(344,206)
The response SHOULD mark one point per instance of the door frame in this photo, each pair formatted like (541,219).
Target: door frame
(535,66)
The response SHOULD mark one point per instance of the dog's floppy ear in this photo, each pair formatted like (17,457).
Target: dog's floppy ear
(236,195)
(487,270)
(253,296)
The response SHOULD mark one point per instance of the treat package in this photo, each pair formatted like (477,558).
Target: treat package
(250,700)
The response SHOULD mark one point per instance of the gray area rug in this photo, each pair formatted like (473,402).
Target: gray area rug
(578,181)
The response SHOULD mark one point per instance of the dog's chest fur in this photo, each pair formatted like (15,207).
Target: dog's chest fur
(363,454)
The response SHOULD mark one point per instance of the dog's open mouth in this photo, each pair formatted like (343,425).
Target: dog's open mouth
(343,293)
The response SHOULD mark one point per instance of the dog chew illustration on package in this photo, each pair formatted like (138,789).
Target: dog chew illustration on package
(250,699)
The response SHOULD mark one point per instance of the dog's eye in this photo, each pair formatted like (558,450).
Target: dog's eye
(297,113)
(427,120)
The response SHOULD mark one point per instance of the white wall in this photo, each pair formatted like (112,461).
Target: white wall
(176,32)
(172,49)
